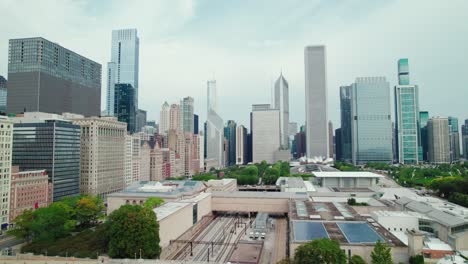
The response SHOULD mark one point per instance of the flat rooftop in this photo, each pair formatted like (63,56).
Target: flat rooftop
(346,174)
(163,189)
(262,195)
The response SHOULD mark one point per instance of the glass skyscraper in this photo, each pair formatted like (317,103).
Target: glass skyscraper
(423,118)
(407,132)
(186,105)
(124,105)
(53,145)
(230,135)
(46,77)
(123,67)
(345,135)
(214,127)
(281,102)
(3,94)
(371,124)
(454,138)
(464,131)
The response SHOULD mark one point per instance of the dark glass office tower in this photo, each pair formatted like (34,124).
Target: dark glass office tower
(124,105)
(3,95)
(346,140)
(423,118)
(230,136)
(46,77)
(52,145)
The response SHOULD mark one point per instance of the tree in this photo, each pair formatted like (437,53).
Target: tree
(52,222)
(153,202)
(418,259)
(320,251)
(355,259)
(351,201)
(23,222)
(271,175)
(381,254)
(262,166)
(285,169)
(133,228)
(88,209)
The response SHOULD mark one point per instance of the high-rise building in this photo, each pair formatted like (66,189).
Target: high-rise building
(164,119)
(123,66)
(464,130)
(371,121)
(230,136)
(175,118)
(195,124)
(292,129)
(439,140)
(316,102)
(3,95)
(241,145)
(29,190)
(140,120)
(124,105)
(44,76)
(454,138)
(6,146)
(423,118)
(281,102)
(214,128)
(266,133)
(102,155)
(338,145)
(186,106)
(50,142)
(346,140)
(331,143)
(407,127)
(145,161)
(128,159)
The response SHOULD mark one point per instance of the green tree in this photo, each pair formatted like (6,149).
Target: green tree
(133,228)
(381,254)
(250,170)
(418,259)
(88,209)
(153,202)
(271,175)
(320,251)
(285,169)
(52,222)
(355,259)
(262,166)
(22,227)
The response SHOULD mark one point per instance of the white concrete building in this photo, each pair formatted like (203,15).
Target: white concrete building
(438,140)
(145,161)
(266,133)
(241,145)
(175,118)
(281,102)
(351,179)
(164,118)
(128,160)
(6,146)
(102,155)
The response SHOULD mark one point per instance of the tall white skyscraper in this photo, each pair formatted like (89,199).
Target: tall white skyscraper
(438,135)
(214,128)
(316,102)
(123,67)
(175,118)
(6,139)
(281,102)
(265,131)
(164,117)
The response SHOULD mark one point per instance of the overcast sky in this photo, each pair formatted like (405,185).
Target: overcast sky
(245,44)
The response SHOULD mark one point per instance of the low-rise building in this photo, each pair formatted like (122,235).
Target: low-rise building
(29,190)
(342,179)
(223,185)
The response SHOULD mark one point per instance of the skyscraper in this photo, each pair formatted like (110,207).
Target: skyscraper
(230,135)
(407,131)
(175,119)
(331,143)
(195,124)
(214,128)
(124,105)
(3,95)
(346,140)
(281,102)
(44,76)
(140,119)
(47,141)
(338,145)
(454,138)
(164,118)
(241,145)
(316,102)
(186,106)
(371,122)
(423,118)
(265,131)
(6,139)
(465,139)
(439,140)
(123,67)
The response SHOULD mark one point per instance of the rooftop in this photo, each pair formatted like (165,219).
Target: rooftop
(346,174)
(164,189)
(263,195)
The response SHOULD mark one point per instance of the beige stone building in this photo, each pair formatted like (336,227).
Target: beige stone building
(102,155)
(6,145)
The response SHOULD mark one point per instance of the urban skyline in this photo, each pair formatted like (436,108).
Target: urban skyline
(370,59)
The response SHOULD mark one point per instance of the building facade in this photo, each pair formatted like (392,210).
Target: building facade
(266,133)
(454,137)
(230,136)
(423,118)
(186,106)
(316,104)
(124,105)
(123,67)
(6,147)
(3,95)
(175,118)
(44,76)
(29,190)
(140,120)
(281,102)
(102,155)
(331,140)
(241,145)
(438,140)
(50,143)
(346,137)
(164,117)
(371,121)
(464,130)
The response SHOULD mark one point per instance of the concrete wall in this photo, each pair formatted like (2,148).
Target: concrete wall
(175,225)
(398,223)
(229,204)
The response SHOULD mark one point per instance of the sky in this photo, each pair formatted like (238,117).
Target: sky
(246,44)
